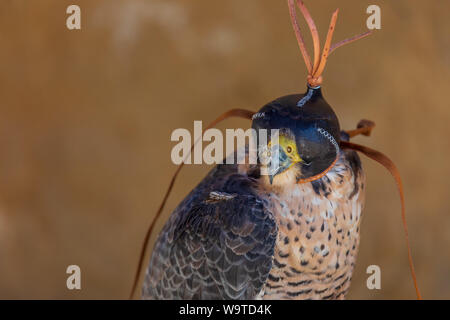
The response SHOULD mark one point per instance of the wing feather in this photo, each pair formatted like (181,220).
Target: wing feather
(218,244)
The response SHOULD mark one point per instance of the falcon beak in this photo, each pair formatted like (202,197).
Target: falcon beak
(285,162)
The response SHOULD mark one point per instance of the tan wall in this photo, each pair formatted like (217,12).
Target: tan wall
(86,118)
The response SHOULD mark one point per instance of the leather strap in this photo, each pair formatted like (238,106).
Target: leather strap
(365,127)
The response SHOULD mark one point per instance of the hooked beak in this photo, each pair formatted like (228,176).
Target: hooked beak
(285,162)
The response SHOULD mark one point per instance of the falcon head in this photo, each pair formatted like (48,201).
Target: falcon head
(309,134)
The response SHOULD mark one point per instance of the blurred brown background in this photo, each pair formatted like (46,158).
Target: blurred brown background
(86,118)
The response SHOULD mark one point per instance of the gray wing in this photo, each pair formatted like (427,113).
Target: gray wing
(218,244)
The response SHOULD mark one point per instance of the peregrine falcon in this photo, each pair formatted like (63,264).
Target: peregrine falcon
(248,232)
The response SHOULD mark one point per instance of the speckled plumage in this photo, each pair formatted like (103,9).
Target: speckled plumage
(236,237)
(318,235)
